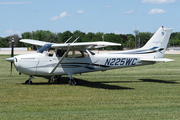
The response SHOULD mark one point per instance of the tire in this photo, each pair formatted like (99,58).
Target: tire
(73,82)
(55,78)
(70,82)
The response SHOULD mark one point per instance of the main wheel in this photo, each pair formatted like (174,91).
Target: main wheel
(55,78)
(73,82)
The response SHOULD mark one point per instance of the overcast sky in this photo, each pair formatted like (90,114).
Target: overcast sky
(107,16)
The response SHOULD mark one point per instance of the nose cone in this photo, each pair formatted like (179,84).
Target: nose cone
(11,59)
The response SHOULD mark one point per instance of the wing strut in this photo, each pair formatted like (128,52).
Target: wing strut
(68,40)
(75,40)
(59,61)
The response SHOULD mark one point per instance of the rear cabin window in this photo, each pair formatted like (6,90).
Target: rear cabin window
(81,54)
(70,54)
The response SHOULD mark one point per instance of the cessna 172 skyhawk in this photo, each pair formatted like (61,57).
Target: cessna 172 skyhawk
(74,58)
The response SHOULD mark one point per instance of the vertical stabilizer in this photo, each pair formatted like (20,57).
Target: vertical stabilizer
(159,41)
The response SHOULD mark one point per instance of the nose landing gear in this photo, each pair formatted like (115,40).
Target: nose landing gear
(29,81)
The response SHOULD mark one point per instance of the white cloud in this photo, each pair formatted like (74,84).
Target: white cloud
(13,3)
(108,6)
(158,1)
(156,11)
(10,32)
(62,15)
(80,11)
(129,12)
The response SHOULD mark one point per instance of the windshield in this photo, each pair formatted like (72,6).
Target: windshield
(44,48)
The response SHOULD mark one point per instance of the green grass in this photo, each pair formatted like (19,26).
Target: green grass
(147,92)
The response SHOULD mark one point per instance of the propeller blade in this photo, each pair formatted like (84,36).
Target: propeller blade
(12,48)
(12,52)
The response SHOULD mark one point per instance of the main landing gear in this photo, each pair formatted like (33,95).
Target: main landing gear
(54,78)
(72,80)
(29,81)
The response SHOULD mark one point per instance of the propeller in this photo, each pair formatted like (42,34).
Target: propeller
(12,52)
(11,59)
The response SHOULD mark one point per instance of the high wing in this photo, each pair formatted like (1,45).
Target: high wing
(34,42)
(84,45)
(71,46)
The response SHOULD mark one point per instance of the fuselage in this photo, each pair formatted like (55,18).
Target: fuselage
(40,64)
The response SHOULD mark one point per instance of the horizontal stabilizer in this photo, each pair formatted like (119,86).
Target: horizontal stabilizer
(157,60)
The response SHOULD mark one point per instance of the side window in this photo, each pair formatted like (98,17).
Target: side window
(81,54)
(85,54)
(70,54)
(60,53)
(78,54)
(51,52)
(92,53)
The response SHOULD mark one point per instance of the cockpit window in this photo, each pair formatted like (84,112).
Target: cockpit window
(46,47)
(60,53)
(47,50)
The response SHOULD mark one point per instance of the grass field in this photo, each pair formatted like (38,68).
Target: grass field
(147,92)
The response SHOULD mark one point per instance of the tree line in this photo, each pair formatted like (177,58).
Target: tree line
(128,41)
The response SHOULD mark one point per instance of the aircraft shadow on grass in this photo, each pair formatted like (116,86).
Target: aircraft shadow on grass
(104,84)
(159,81)
(100,85)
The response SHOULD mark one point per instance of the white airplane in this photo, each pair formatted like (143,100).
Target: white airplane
(74,58)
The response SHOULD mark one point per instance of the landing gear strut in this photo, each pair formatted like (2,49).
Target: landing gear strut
(29,81)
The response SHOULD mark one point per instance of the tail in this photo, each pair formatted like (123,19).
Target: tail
(158,42)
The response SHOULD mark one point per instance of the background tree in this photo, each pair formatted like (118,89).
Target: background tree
(130,41)
(127,40)
(15,37)
(144,37)
(66,35)
(79,34)
(4,42)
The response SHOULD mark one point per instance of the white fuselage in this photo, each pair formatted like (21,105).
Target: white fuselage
(40,64)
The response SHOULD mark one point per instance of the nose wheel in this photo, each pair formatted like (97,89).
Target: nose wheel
(29,82)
